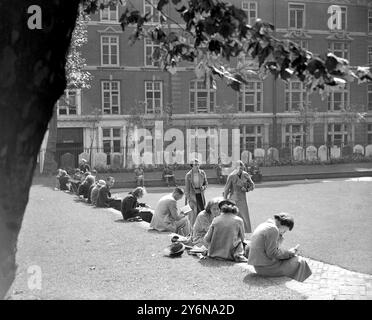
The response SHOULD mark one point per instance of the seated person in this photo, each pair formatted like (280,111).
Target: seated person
(167,217)
(130,204)
(104,195)
(168,175)
(94,192)
(84,187)
(139,176)
(64,181)
(84,166)
(267,256)
(225,236)
(204,220)
(76,180)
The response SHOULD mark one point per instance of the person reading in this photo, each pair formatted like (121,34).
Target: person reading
(167,217)
(130,205)
(267,256)
(104,198)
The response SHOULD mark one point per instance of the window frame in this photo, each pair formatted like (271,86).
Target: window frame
(295,10)
(258,97)
(369,56)
(209,92)
(343,132)
(290,135)
(369,133)
(152,9)
(289,91)
(103,90)
(345,49)
(110,64)
(369,21)
(153,82)
(152,45)
(256,135)
(109,20)
(331,99)
(369,97)
(249,10)
(67,107)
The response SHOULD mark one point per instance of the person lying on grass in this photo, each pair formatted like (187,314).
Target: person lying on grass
(225,236)
(130,205)
(267,256)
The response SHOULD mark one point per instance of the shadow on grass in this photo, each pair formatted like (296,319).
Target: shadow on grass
(255,280)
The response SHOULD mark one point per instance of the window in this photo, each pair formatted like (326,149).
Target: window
(151,8)
(110,97)
(250,99)
(296,16)
(304,44)
(369,56)
(294,135)
(250,137)
(369,20)
(295,96)
(111,141)
(69,103)
(343,18)
(337,134)
(251,9)
(110,13)
(369,133)
(202,97)
(150,47)
(340,49)
(369,97)
(109,50)
(338,100)
(154,97)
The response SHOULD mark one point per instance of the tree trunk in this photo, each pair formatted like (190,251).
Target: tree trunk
(32,78)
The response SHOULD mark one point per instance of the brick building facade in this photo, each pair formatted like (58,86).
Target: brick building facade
(128,85)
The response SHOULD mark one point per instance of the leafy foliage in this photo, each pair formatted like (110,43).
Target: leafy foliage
(77,77)
(214,31)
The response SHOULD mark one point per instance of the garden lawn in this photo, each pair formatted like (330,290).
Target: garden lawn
(333,220)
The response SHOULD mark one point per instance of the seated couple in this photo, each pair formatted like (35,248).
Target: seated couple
(131,208)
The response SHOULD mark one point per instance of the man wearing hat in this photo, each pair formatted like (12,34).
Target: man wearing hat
(195,185)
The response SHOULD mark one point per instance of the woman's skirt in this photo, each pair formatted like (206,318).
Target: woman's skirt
(295,268)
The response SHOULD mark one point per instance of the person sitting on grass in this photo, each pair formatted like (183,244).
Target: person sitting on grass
(267,256)
(204,220)
(84,188)
(94,192)
(84,166)
(63,179)
(225,236)
(130,205)
(104,199)
(167,217)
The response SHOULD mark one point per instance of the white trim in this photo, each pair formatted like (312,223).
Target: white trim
(303,17)
(110,90)
(249,10)
(109,49)
(109,9)
(153,91)
(242,97)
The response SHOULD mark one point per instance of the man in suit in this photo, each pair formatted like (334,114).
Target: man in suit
(167,217)
(195,184)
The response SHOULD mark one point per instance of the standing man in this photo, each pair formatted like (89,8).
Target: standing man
(140,176)
(104,195)
(237,185)
(167,217)
(195,185)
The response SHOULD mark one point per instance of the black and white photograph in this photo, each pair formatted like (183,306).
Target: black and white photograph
(206,151)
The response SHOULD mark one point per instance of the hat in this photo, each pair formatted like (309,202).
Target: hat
(174,250)
(102,182)
(228,202)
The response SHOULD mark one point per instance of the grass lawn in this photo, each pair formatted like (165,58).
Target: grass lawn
(333,220)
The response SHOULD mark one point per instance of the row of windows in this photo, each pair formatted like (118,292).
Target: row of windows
(110,51)
(296,14)
(202,98)
(251,136)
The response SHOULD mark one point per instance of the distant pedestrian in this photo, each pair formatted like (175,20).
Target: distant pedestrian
(269,258)
(140,176)
(195,184)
